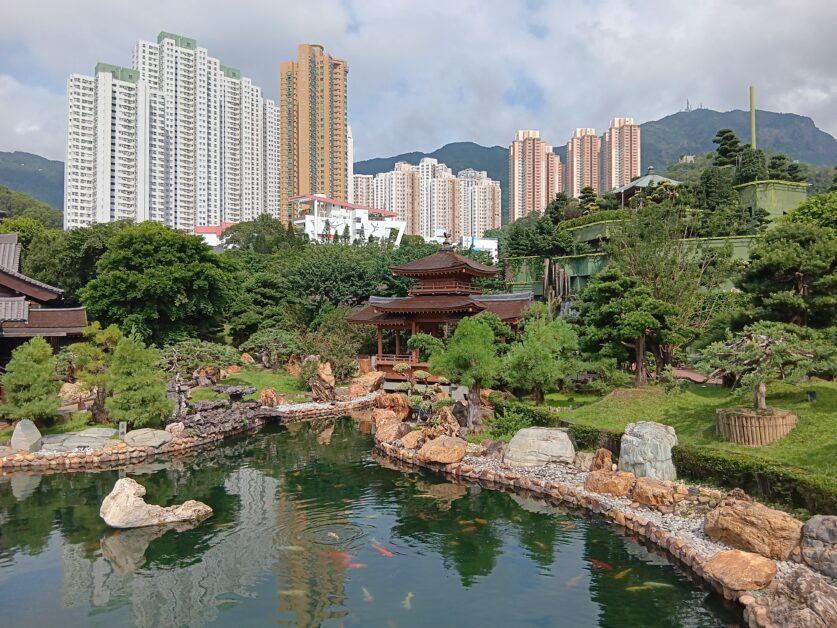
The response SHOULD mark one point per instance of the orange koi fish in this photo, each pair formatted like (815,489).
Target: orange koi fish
(600,565)
(356,565)
(383,551)
(480,520)
(469,529)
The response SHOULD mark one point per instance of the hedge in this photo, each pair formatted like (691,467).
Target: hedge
(775,482)
(601,216)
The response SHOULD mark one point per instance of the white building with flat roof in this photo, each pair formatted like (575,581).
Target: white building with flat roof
(325,220)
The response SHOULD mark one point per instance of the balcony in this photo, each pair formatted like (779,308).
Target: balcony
(444,287)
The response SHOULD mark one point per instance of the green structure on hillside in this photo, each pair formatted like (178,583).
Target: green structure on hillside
(776,198)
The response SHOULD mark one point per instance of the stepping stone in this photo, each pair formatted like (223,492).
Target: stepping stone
(146,437)
(100,432)
(75,441)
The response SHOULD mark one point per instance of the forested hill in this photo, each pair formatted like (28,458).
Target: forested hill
(34,175)
(691,132)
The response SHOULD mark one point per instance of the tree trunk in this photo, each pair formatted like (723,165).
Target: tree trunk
(761,397)
(538,396)
(98,412)
(473,406)
(640,378)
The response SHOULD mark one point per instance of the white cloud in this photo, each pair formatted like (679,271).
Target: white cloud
(32,119)
(423,74)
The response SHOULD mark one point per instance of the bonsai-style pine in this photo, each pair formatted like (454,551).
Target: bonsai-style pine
(31,383)
(138,385)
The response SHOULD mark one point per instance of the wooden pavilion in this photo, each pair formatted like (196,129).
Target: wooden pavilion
(22,301)
(443,296)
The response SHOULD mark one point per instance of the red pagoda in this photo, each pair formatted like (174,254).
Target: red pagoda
(443,296)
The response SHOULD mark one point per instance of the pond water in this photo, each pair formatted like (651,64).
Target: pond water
(309,529)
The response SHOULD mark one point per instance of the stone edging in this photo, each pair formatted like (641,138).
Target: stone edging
(754,610)
(121,455)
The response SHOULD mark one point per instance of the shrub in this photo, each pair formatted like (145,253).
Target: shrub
(30,382)
(138,385)
(275,346)
(602,216)
(783,484)
(187,356)
(308,370)
(508,423)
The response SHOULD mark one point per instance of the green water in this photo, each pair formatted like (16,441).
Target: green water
(309,532)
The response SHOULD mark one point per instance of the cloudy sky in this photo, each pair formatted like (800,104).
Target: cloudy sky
(424,73)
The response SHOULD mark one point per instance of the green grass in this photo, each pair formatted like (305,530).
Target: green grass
(570,400)
(284,384)
(691,412)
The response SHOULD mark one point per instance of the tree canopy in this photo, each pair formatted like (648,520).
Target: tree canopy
(30,382)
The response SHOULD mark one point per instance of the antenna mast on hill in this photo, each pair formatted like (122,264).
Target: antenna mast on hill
(753,116)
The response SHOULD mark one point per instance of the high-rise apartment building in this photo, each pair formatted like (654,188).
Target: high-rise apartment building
(535,174)
(314,133)
(433,201)
(582,162)
(363,190)
(350,165)
(620,154)
(178,138)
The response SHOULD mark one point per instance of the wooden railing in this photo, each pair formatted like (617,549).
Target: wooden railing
(437,287)
(395,358)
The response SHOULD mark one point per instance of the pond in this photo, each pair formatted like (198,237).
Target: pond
(309,529)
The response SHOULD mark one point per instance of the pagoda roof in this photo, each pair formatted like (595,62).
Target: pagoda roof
(431,303)
(445,262)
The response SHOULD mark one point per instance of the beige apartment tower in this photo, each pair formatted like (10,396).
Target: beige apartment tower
(535,174)
(582,161)
(620,154)
(314,131)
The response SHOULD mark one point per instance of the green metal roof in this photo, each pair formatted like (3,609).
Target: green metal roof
(644,182)
(129,75)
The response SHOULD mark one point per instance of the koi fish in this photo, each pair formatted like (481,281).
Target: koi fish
(333,535)
(293,592)
(600,565)
(568,525)
(341,558)
(635,589)
(424,516)
(408,601)
(290,548)
(367,596)
(383,551)
(222,525)
(480,520)
(469,529)
(356,565)
(452,542)
(658,585)
(575,580)
(622,574)
(541,545)
(465,522)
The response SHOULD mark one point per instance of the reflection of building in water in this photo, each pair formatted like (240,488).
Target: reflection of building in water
(187,595)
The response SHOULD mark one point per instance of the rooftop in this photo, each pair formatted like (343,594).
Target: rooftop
(444,262)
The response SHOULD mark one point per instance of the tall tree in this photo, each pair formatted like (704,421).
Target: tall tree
(752,166)
(797,172)
(562,207)
(30,382)
(714,190)
(792,275)
(470,359)
(618,310)
(264,234)
(26,229)
(91,362)
(138,385)
(777,167)
(820,210)
(728,147)
(159,283)
(588,200)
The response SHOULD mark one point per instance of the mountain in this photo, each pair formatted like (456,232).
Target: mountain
(41,178)
(691,133)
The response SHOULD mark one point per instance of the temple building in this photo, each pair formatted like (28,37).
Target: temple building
(23,314)
(443,296)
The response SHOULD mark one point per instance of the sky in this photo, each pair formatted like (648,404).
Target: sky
(423,73)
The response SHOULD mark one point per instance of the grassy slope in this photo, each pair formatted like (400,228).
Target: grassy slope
(285,384)
(812,444)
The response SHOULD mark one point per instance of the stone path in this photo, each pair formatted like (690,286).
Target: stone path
(91,438)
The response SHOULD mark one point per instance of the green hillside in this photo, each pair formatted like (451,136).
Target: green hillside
(41,178)
(14,204)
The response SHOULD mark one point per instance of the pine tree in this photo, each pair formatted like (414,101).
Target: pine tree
(138,385)
(30,382)
(752,166)
(729,146)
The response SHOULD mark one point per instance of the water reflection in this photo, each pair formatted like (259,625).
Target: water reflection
(311,528)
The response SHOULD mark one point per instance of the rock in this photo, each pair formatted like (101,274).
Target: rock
(740,571)
(413,439)
(801,599)
(583,461)
(389,431)
(235,393)
(397,402)
(380,415)
(494,449)
(657,493)
(819,544)
(364,366)
(100,432)
(26,436)
(460,413)
(753,527)
(293,367)
(270,398)
(325,374)
(603,459)
(485,393)
(443,450)
(646,450)
(368,382)
(246,358)
(6,451)
(537,446)
(147,437)
(176,429)
(616,483)
(124,507)
(72,393)
(233,369)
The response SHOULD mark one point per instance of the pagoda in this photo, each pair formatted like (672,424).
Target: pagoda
(443,296)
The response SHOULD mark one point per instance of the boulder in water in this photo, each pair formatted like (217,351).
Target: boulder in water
(125,507)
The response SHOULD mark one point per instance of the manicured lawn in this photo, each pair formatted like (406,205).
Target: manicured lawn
(811,445)
(570,400)
(284,384)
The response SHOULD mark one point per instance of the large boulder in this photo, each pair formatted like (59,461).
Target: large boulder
(754,527)
(616,483)
(413,439)
(443,450)
(246,358)
(584,461)
(537,446)
(269,398)
(325,374)
(646,450)
(72,393)
(388,427)
(802,599)
(659,494)
(366,383)
(740,571)
(602,460)
(819,544)
(26,436)
(125,507)
(146,437)
(397,402)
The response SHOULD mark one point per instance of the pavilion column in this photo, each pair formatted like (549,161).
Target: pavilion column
(398,342)
(414,352)
(380,341)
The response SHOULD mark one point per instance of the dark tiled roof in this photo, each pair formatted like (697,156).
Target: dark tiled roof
(371,316)
(444,262)
(47,322)
(9,251)
(509,307)
(432,303)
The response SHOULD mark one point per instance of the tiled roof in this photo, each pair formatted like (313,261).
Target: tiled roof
(442,262)
(509,307)
(47,322)
(431,303)
(9,251)
(14,309)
